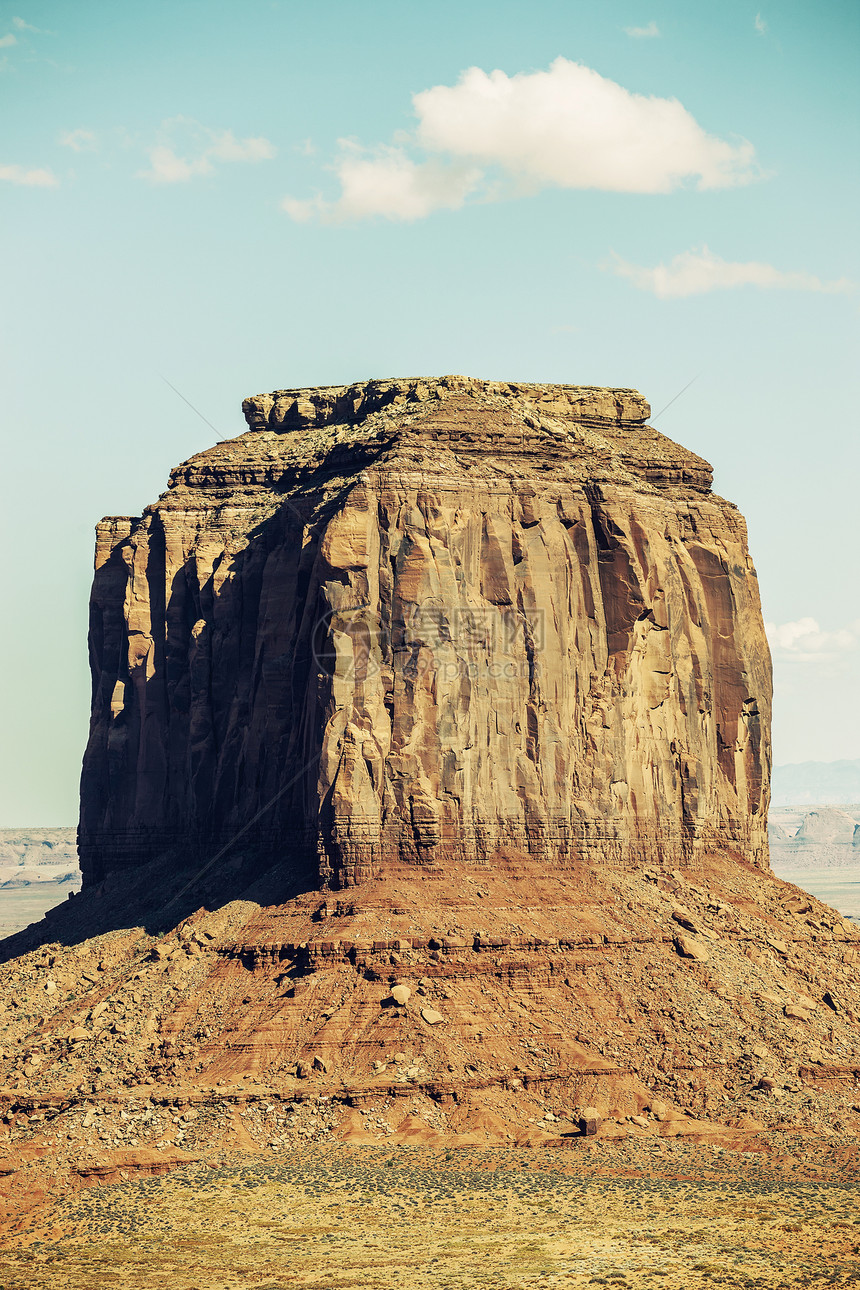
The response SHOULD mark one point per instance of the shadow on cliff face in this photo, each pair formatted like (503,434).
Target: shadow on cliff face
(183,749)
(158,898)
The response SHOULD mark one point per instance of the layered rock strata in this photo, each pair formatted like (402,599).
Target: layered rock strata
(425,622)
(714,1003)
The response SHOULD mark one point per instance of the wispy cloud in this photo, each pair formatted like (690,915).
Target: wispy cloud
(226,147)
(803,641)
(203,149)
(78,140)
(694,272)
(388,182)
(760,25)
(643,33)
(24,178)
(492,135)
(166,167)
(20,25)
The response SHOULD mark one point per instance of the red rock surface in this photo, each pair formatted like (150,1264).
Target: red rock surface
(428,622)
(369,860)
(554,995)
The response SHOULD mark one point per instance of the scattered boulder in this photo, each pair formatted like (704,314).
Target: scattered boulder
(431,1016)
(769,997)
(401,994)
(690,948)
(686,919)
(589,1121)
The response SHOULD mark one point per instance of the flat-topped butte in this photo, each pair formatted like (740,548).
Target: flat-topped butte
(323,405)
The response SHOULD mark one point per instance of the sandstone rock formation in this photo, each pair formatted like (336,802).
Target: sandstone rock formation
(489,658)
(416,621)
(482,1005)
(820,849)
(827,826)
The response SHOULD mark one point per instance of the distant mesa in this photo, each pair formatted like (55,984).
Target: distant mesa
(810,844)
(827,825)
(417,622)
(38,869)
(814,783)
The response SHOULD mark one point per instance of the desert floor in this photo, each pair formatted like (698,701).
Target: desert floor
(671,1215)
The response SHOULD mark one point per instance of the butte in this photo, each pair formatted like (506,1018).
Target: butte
(406,626)
(431,730)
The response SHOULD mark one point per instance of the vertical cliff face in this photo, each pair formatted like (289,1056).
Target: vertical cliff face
(409,622)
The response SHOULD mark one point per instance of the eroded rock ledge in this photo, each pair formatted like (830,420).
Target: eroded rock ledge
(425,621)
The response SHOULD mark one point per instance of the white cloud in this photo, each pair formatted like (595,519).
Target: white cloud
(643,33)
(760,24)
(6,41)
(20,25)
(227,147)
(695,272)
(28,178)
(567,127)
(803,641)
(816,691)
(573,128)
(203,147)
(78,140)
(387,182)
(165,167)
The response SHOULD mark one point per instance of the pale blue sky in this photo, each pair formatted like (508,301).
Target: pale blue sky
(146,155)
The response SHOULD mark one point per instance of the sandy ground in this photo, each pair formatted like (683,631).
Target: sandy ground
(20,906)
(238,1102)
(374,1218)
